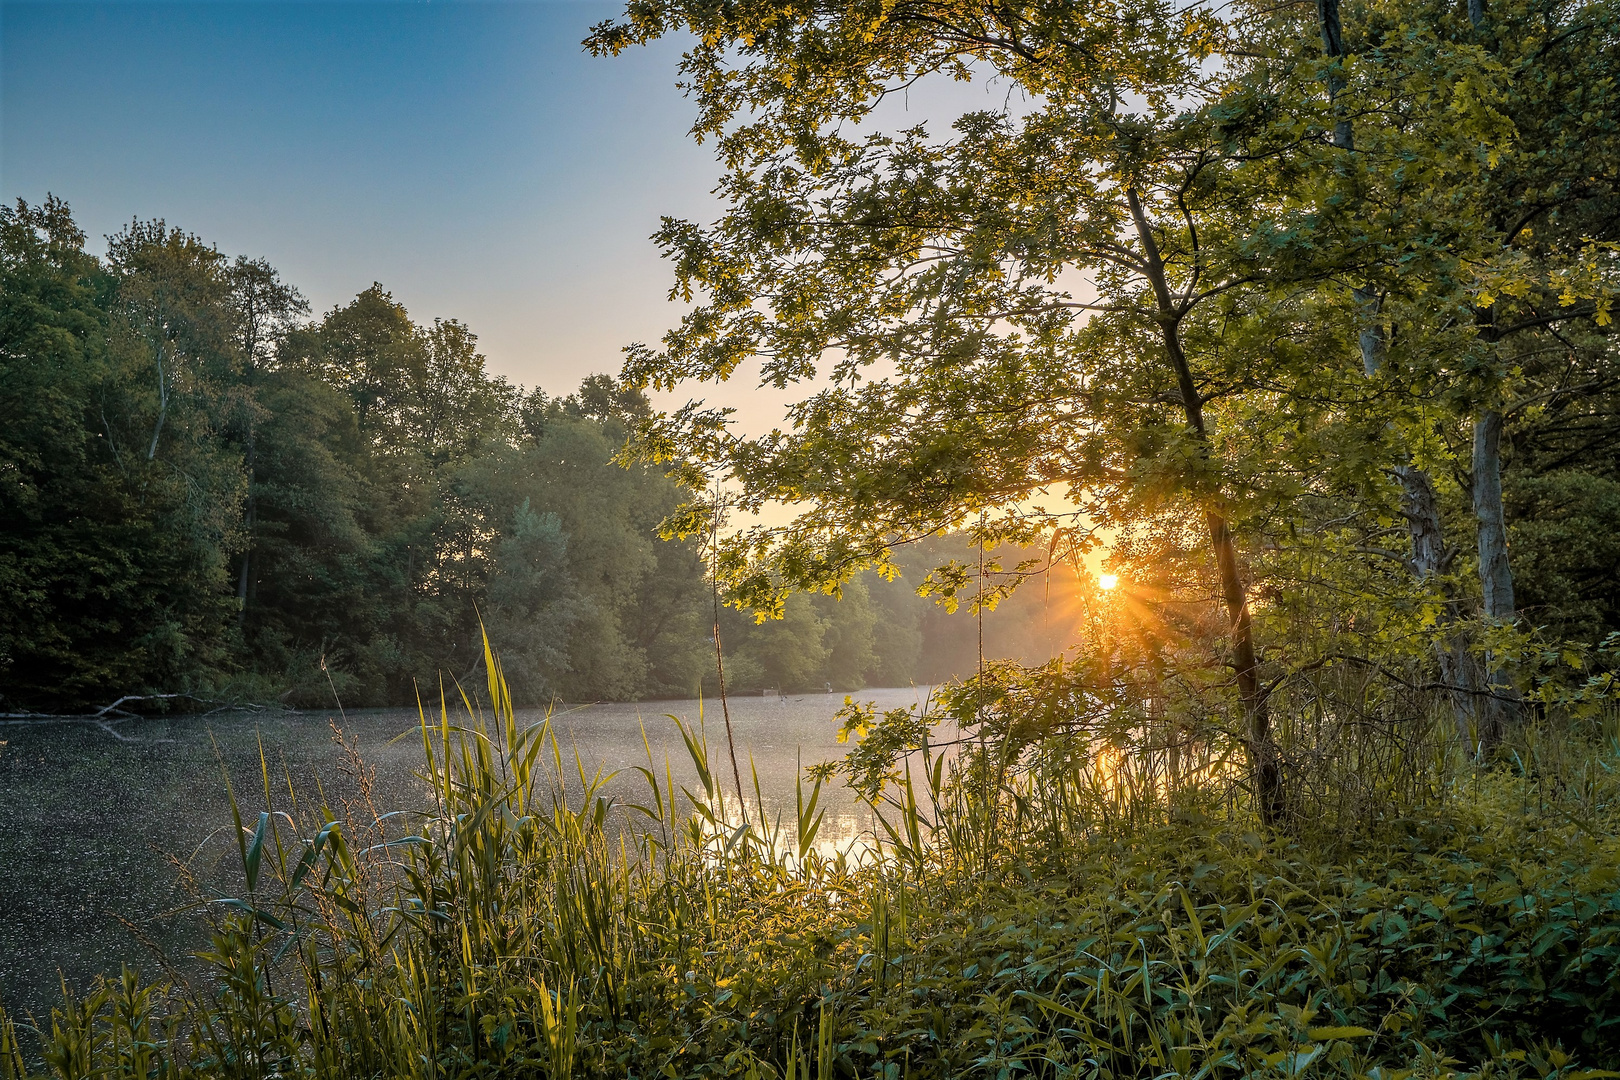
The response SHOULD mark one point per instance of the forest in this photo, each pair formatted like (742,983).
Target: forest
(208,491)
(1250,369)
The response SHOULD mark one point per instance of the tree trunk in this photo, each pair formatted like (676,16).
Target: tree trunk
(1495,575)
(1431,558)
(1265,772)
(1430,561)
(1484,717)
(1327,17)
(163,405)
(1501,706)
(249,515)
(1264,766)
(244,576)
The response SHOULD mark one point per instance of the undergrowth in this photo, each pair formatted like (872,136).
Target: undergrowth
(1046,926)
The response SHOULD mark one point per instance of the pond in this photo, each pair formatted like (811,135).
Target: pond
(96,823)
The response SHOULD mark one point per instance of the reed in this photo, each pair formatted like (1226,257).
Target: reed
(1065,918)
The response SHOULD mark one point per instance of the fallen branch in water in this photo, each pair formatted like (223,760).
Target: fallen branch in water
(118,708)
(115,713)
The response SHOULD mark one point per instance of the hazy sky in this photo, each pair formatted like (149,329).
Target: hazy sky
(471,157)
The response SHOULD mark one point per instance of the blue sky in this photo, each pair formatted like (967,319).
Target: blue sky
(469,156)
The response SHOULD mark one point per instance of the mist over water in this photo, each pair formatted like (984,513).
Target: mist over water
(97,826)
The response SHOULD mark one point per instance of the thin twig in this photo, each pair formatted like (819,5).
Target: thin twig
(719,662)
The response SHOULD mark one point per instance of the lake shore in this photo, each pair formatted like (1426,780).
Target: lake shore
(91,826)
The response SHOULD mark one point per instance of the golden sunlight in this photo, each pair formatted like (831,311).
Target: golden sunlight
(1107,581)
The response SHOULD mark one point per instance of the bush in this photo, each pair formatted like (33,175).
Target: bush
(520,930)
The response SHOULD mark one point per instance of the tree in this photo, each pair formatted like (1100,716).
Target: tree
(266,310)
(791,652)
(1472,197)
(533,604)
(56,524)
(637,629)
(920,283)
(320,579)
(181,447)
(1206,277)
(850,636)
(121,508)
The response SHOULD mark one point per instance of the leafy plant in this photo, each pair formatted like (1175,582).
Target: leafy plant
(1055,920)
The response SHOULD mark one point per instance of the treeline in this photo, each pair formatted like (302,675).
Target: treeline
(879,632)
(204,490)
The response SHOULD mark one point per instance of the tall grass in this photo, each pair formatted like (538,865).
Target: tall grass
(1085,914)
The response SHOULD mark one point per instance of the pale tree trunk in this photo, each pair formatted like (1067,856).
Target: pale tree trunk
(242,576)
(1265,770)
(1429,564)
(163,405)
(1431,558)
(245,576)
(1327,17)
(250,463)
(1501,706)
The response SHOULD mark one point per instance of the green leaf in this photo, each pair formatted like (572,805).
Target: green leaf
(255,851)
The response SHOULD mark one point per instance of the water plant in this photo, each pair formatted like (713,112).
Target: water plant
(1067,920)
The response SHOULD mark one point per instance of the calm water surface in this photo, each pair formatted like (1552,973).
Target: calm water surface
(93,825)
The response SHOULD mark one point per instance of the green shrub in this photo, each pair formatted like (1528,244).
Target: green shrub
(520,930)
